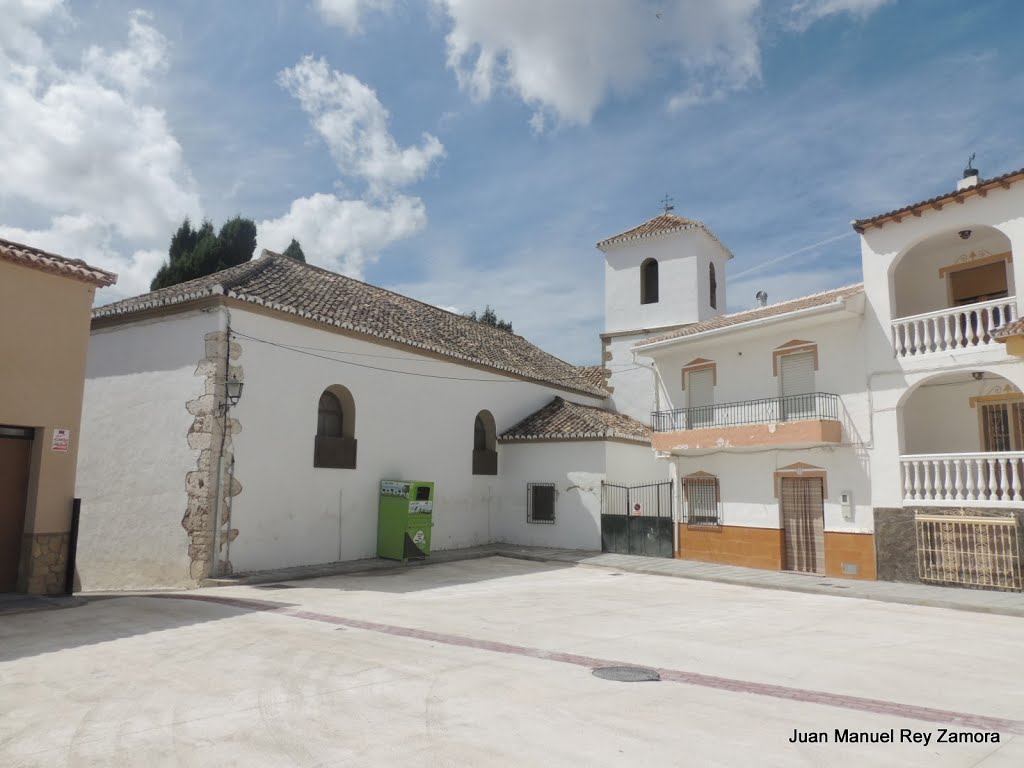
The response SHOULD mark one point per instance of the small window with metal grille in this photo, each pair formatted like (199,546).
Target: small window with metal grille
(702,501)
(540,503)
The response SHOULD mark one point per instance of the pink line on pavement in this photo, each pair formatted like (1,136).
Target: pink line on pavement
(858,703)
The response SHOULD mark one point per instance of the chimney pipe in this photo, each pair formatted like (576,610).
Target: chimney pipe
(970,177)
(762,298)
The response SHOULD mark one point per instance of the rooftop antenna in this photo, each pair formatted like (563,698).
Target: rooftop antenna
(666,204)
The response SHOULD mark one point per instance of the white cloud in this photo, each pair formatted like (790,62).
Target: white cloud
(130,67)
(353,122)
(83,144)
(89,238)
(568,56)
(806,12)
(348,14)
(343,235)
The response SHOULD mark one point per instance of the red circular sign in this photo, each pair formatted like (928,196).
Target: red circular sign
(636,507)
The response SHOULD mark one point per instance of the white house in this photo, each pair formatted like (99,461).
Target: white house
(875,430)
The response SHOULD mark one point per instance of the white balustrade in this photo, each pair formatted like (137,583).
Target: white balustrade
(971,325)
(957,479)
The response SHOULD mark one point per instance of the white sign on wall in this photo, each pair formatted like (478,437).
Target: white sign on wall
(61,440)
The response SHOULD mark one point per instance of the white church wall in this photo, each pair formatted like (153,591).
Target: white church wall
(134,454)
(576,468)
(407,427)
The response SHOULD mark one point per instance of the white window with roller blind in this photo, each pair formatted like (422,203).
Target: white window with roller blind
(700,397)
(796,374)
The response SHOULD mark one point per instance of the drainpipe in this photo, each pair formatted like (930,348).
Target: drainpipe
(221,403)
(656,379)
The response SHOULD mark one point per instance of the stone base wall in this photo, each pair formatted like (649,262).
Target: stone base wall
(44,563)
(895,544)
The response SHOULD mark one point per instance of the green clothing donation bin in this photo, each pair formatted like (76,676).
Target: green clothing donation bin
(404,520)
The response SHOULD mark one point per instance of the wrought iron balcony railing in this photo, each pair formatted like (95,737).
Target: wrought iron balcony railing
(769,410)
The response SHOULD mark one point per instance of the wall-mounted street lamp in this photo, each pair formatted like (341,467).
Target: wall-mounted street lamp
(233,391)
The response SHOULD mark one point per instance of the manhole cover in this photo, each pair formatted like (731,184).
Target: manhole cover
(274,586)
(627,674)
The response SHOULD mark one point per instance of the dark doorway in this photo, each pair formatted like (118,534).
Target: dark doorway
(15,463)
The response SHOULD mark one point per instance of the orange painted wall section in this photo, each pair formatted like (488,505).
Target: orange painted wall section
(763,548)
(858,548)
(732,545)
(780,433)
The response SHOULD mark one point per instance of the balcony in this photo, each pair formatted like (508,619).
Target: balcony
(810,419)
(988,479)
(958,328)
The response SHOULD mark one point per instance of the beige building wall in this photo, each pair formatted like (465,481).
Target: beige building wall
(44,336)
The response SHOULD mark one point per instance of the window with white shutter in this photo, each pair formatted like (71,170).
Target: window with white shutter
(797,374)
(700,397)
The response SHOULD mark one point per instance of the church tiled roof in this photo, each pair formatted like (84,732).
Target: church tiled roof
(563,420)
(295,288)
(34,258)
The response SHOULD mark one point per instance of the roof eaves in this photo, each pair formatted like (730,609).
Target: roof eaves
(916,209)
(831,306)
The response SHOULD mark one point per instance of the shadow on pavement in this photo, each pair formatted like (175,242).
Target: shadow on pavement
(108,618)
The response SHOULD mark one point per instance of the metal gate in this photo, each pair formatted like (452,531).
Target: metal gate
(637,519)
(968,550)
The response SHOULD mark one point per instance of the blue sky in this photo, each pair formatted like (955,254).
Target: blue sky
(467,152)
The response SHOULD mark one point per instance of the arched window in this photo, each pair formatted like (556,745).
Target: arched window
(714,286)
(335,444)
(649,282)
(485,453)
(329,417)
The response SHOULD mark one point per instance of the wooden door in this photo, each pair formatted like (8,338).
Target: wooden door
(803,524)
(15,460)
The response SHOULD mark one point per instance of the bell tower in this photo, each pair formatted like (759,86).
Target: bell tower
(661,275)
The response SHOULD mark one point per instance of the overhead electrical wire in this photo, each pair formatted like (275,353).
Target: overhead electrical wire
(314,352)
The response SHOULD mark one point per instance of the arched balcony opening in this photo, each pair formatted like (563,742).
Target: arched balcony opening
(962,441)
(952,291)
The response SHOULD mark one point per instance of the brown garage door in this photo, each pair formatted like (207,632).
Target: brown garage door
(15,460)
(803,524)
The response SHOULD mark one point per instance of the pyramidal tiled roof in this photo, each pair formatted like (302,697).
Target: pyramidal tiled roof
(662,224)
(34,258)
(563,420)
(824,298)
(296,288)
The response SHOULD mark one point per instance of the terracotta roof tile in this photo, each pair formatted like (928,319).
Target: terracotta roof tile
(824,298)
(594,374)
(1016,328)
(982,187)
(292,287)
(563,420)
(34,258)
(660,225)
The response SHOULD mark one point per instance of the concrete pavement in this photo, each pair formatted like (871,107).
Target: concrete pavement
(486,662)
(975,600)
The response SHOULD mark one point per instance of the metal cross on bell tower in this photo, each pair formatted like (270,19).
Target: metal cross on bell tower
(666,204)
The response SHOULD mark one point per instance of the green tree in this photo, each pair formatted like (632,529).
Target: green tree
(198,252)
(294,251)
(489,317)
